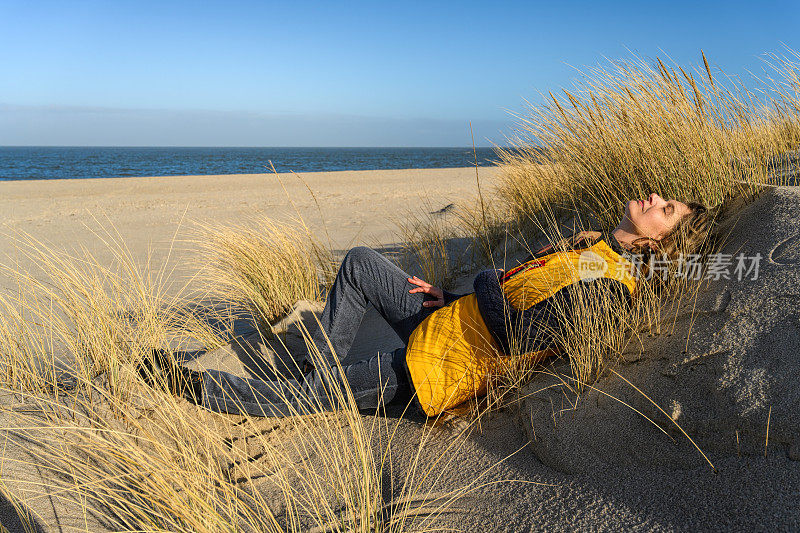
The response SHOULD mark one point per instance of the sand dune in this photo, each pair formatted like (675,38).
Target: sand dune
(597,464)
(605,466)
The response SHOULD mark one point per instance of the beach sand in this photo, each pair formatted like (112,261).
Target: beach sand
(160,213)
(593,466)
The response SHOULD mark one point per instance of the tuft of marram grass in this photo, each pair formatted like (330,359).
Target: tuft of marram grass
(632,128)
(75,314)
(440,246)
(159,465)
(489,229)
(428,247)
(264,266)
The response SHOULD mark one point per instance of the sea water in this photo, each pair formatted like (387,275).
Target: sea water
(50,162)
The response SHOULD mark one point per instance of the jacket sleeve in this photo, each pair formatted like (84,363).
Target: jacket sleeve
(450,297)
(544,250)
(540,326)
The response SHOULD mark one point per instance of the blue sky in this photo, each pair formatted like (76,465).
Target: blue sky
(241,73)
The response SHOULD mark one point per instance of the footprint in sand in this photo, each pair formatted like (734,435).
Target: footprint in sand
(261,451)
(786,252)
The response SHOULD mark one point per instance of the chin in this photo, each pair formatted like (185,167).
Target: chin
(629,207)
(629,210)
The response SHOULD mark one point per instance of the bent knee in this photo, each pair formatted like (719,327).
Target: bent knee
(360,254)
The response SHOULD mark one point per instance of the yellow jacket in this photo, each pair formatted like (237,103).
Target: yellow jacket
(452,352)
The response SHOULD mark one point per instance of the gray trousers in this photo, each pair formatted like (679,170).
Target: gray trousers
(365,277)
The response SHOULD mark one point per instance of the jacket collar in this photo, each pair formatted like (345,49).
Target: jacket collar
(610,240)
(606,236)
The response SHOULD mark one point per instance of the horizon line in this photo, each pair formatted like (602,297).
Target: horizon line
(234,146)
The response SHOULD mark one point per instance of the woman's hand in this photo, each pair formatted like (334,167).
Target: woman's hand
(427,288)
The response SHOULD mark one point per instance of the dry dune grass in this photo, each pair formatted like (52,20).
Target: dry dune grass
(76,313)
(158,465)
(487,228)
(426,248)
(630,129)
(633,128)
(139,459)
(440,246)
(264,265)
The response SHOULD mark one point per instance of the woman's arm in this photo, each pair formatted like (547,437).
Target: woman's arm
(442,297)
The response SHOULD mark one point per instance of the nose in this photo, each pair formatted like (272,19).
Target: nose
(653,198)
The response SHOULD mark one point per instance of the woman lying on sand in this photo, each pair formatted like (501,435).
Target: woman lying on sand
(450,339)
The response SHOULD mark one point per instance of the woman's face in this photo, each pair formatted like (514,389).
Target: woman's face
(653,217)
